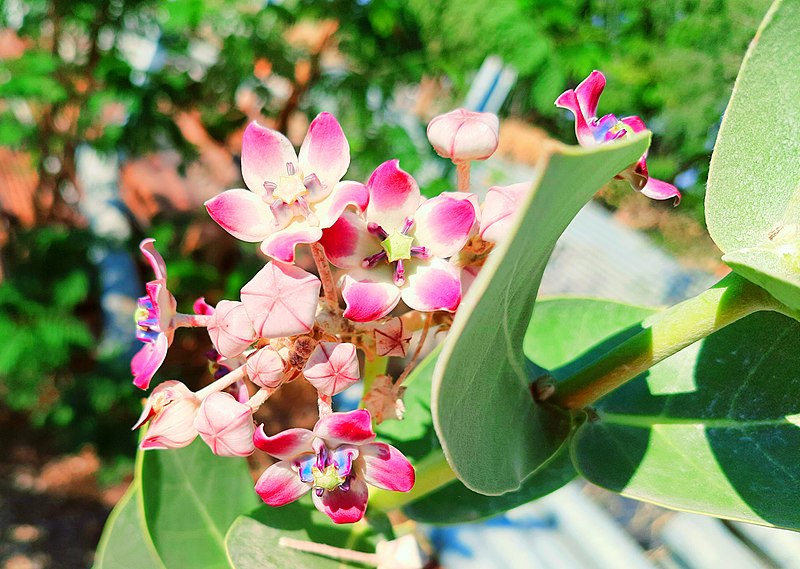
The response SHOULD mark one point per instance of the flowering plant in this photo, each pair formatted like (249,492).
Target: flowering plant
(474,427)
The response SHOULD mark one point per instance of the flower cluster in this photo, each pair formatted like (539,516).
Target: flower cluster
(400,263)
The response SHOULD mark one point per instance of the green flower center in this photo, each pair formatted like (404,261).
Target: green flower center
(327,479)
(397,246)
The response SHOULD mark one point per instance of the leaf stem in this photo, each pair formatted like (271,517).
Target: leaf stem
(663,335)
(432,472)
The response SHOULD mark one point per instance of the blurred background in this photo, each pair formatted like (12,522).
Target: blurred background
(118,119)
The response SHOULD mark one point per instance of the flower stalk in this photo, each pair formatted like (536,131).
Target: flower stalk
(325,275)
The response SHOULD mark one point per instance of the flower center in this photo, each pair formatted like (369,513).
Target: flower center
(290,188)
(327,479)
(397,246)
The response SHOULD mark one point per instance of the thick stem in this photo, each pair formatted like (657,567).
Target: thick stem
(462,175)
(432,473)
(223,382)
(190,320)
(662,335)
(325,275)
(258,399)
(329,551)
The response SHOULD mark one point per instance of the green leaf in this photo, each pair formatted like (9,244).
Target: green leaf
(252,541)
(455,503)
(482,405)
(713,429)
(191,497)
(774,267)
(754,171)
(124,542)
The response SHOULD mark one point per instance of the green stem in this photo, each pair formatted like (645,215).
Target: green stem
(662,335)
(433,472)
(373,369)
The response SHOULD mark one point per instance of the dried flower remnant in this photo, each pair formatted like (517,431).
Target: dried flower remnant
(385,399)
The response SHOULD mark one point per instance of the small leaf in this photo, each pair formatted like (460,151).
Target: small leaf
(124,543)
(482,403)
(252,541)
(191,498)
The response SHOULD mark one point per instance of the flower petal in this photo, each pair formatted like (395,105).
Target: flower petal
(265,154)
(146,362)
(281,300)
(589,91)
(154,258)
(635,123)
(387,467)
(347,242)
(344,507)
(332,367)
(659,190)
(432,286)
(352,427)
(444,223)
(243,214)
(230,329)
(499,207)
(393,196)
(200,306)
(280,484)
(369,295)
(325,151)
(286,444)
(280,245)
(569,100)
(345,194)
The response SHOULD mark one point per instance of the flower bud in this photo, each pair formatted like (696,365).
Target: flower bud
(230,328)
(332,367)
(266,368)
(463,135)
(170,410)
(226,425)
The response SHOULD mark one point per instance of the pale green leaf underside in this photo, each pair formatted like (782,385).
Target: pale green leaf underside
(191,497)
(755,168)
(771,267)
(492,433)
(124,543)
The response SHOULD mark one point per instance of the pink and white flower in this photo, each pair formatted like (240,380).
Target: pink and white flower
(154,320)
(591,131)
(463,135)
(281,300)
(336,460)
(171,410)
(291,198)
(226,425)
(499,207)
(399,250)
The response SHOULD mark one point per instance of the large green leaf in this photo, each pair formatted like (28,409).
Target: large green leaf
(492,432)
(191,498)
(755,171)
(252,540)
(455,503)
(713,429)
(125,543)
(773,266)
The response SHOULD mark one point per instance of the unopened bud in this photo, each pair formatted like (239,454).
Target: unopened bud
(266,368)
(226,425)
(463,135)
(332,368)
(230,328)
(170,410)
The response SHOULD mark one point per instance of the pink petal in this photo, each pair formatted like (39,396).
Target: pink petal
(146,362)
(286,444)
(444,224)
(200,306)
(345,195)
(589,91)
(163,303)
(352,427)
(226,425)
(280,484)
(266,368)
(659,190)
(172,409)
(265,154)
(230,329)
(464,135)
(280,245)
(635,123)
(499,207)
(387,468)
(369,295)
(347,242)
(344,507)
(154,258)
(393,196)
(569,100)
(434,285)
(325,151)
(281,300)
(243,214)
(332,367)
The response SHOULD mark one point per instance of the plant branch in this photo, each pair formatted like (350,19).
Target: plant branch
(325,275)
(663,335)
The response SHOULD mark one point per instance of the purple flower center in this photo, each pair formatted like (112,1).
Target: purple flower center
(146,317)
(327,469)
